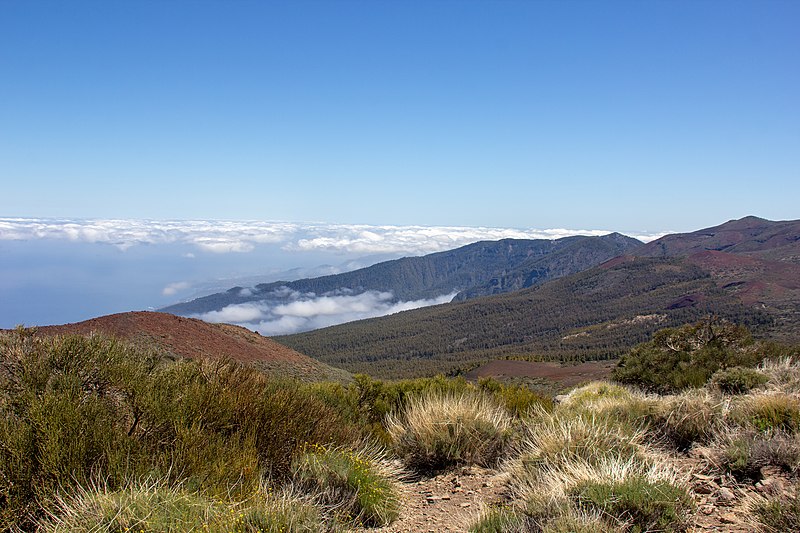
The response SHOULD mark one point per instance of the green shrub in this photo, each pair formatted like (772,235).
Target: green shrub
(499,520)
(738,380)
(440,430)
(359,485)
(74,408)
(644,504)
(686,357)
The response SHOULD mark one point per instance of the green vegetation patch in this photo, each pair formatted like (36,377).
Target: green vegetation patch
(358,485)
(684,357)
(645,505)
(738,380)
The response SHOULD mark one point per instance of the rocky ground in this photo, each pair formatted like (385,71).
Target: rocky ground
(452,501)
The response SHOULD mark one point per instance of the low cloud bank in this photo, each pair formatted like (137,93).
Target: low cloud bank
(288,311)
(221,237)
(174,288)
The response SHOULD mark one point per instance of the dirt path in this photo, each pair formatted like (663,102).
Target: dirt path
(448,502)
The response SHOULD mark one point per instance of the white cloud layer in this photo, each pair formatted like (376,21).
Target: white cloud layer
(244,236)
(174,288)
(307,311)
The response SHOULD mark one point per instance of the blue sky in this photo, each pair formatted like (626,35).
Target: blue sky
(630,116)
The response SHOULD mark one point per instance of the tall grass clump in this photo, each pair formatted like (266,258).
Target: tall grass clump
(502,520)
(440,430)
(358,486)
(554,438)
(772,411)
(157,505)
(694,416)
(368,402)
(783,373)
(617,492)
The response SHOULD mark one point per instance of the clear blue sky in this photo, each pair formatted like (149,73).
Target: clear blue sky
(619,115)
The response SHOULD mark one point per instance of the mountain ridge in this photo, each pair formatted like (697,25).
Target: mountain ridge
(595,314)
(478,269)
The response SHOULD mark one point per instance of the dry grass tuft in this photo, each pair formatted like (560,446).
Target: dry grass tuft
(691,417)
(157,505)
(440,430)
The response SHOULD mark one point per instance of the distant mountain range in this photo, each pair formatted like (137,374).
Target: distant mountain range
(747,270)
(478,269)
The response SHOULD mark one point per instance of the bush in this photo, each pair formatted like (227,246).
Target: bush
(642,504)
(360,485)
(441,430)
(612,487)
(73,409)
(738,380)
(680,358)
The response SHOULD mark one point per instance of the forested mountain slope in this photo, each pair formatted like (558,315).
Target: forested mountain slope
(745,270)
(477,269)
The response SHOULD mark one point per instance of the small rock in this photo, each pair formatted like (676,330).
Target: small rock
(445,497)
(770,486)
(727,518)
(707,510)
(465,505)
(706,487)
(457,490)
(486,484)
(725,495)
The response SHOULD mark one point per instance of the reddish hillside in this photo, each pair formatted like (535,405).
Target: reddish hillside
(189,337)
(754,280)
(748,235)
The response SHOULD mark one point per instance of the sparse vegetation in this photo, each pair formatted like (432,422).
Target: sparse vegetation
(99,434)
(776,514)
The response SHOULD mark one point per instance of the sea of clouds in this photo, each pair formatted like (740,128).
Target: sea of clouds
(65,270)
(288,311)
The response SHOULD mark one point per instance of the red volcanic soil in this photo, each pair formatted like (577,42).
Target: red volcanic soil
(754,280)
(567,376)
(186,337)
